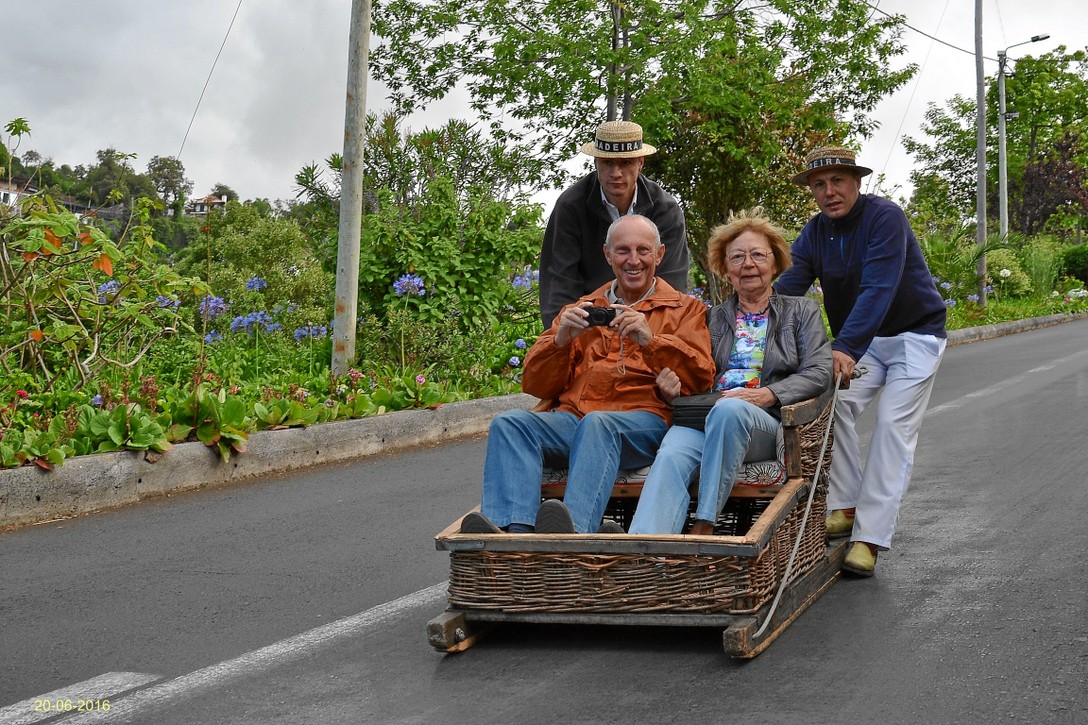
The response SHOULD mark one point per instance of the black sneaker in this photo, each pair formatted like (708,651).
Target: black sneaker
(554,518)
(476,523)
(610,527)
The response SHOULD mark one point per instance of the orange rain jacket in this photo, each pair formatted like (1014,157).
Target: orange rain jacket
(598,371)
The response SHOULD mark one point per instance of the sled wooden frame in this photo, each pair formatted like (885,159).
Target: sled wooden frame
(728,580)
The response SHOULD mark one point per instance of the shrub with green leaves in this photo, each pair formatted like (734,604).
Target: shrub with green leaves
(76,303)
(1075,262)
(1006,275)
(254,262)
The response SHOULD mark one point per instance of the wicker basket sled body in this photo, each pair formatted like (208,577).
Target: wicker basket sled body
(727,580)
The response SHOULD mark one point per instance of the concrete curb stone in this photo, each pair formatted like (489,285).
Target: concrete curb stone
(85,484)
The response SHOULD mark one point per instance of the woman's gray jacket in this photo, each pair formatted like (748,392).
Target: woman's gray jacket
(797,362)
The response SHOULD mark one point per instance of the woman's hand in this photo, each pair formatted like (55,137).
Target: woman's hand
(668,383)
(761,397)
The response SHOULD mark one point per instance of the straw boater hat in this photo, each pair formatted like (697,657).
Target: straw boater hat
(830,157)
(618,140)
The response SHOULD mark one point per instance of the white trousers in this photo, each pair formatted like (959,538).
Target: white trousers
(904,367)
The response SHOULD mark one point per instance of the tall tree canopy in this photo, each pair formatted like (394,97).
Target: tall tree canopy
(1046,145)
(733,93)
(167,173)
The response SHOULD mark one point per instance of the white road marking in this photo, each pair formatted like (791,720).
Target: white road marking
(91,693)
(257,661)
(1017,380)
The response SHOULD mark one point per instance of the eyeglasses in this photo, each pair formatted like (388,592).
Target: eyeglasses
(737,259)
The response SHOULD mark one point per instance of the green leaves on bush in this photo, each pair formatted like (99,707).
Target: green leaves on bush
(125,427)
(78,304)
(215,419)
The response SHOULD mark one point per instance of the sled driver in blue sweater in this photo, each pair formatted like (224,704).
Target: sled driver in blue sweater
(887,318)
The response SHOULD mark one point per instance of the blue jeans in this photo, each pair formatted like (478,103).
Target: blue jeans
(736,432)
(594,449)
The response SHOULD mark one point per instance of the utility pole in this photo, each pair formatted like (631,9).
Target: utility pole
(980,159)
(351,192)
(1002,117)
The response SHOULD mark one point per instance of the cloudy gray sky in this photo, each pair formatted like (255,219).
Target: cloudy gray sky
(128,73)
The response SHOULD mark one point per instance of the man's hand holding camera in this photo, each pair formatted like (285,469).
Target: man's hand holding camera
(626,321)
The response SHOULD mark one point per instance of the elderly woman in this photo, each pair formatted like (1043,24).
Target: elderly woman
(770,350)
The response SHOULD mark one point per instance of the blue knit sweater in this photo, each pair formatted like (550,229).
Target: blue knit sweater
(875,280)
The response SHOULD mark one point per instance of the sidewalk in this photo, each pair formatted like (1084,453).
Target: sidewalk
(29,495)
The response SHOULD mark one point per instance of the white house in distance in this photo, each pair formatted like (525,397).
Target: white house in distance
(201,207)
(13,190)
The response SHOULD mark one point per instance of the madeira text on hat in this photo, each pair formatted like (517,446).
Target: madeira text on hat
(618,140)
(830,157)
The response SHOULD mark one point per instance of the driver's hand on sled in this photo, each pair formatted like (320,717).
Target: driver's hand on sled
(844,368)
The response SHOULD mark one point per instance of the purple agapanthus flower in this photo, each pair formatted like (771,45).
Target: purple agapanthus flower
(410,284)
(107,291)
(311,331)
(253,321)
(212,307)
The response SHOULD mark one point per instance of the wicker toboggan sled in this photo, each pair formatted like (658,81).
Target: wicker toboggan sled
(727,580)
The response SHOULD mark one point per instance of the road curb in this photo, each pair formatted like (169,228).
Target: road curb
(986,332)
(85,484)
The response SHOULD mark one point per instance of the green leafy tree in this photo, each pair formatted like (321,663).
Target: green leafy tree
(220,190)
(167,173)
(1047,138)
(398,168)
(76,303)
(1054,188)
(114,180)
(944,176)
(243,243)
(734,94)
(14,129)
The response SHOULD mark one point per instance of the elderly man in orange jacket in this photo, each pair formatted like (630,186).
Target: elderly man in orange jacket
(595,371)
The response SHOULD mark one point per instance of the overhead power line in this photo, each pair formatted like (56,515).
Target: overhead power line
(209,79)
(922,32)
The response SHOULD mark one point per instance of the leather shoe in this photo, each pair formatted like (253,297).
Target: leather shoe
(554,518)
(839,524)
(860,560)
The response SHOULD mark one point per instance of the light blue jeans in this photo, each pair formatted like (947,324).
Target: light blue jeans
(736,432)
(594,449)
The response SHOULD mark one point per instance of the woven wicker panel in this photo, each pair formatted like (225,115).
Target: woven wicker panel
(614,583)
(812,438)
(814,538)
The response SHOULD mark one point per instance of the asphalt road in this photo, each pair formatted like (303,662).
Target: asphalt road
(305,598)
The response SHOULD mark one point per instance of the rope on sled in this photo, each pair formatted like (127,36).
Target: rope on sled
(808,506)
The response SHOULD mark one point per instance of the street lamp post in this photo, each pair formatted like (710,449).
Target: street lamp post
(1002,116)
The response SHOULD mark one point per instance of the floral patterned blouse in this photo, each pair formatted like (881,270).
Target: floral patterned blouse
(746,359)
